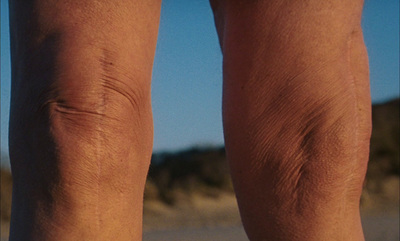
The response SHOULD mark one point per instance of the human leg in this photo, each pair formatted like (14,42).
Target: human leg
(81,123)
(296,112)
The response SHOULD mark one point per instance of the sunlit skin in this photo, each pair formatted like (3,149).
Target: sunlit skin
(296,111)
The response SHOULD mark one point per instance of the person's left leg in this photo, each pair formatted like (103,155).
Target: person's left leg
(296,110)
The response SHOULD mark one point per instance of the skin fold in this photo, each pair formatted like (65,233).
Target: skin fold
(296,110)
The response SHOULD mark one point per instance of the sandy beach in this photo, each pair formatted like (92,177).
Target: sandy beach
(218,220)
(378,227)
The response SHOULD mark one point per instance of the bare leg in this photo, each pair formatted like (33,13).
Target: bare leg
(81,123)
(296,111)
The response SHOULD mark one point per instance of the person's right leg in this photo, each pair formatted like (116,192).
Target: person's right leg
(296,112)
(81,123)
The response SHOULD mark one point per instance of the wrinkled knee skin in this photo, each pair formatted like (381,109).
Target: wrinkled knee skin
(80,122)
(101,110)
(296,111)
(92,143)
(78,139)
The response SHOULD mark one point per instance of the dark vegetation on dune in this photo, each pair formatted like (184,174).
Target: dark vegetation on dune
(197,170)
(385,140)
(383,173)
(204,171)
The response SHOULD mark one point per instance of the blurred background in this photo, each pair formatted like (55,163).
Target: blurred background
(189,171)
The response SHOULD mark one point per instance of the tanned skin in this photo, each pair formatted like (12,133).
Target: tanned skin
(81,126)
(296,111)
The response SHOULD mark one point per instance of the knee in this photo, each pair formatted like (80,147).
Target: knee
(108,104)
(112,112)
(101,108)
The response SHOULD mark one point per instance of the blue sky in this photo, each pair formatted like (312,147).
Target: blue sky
(187,73)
